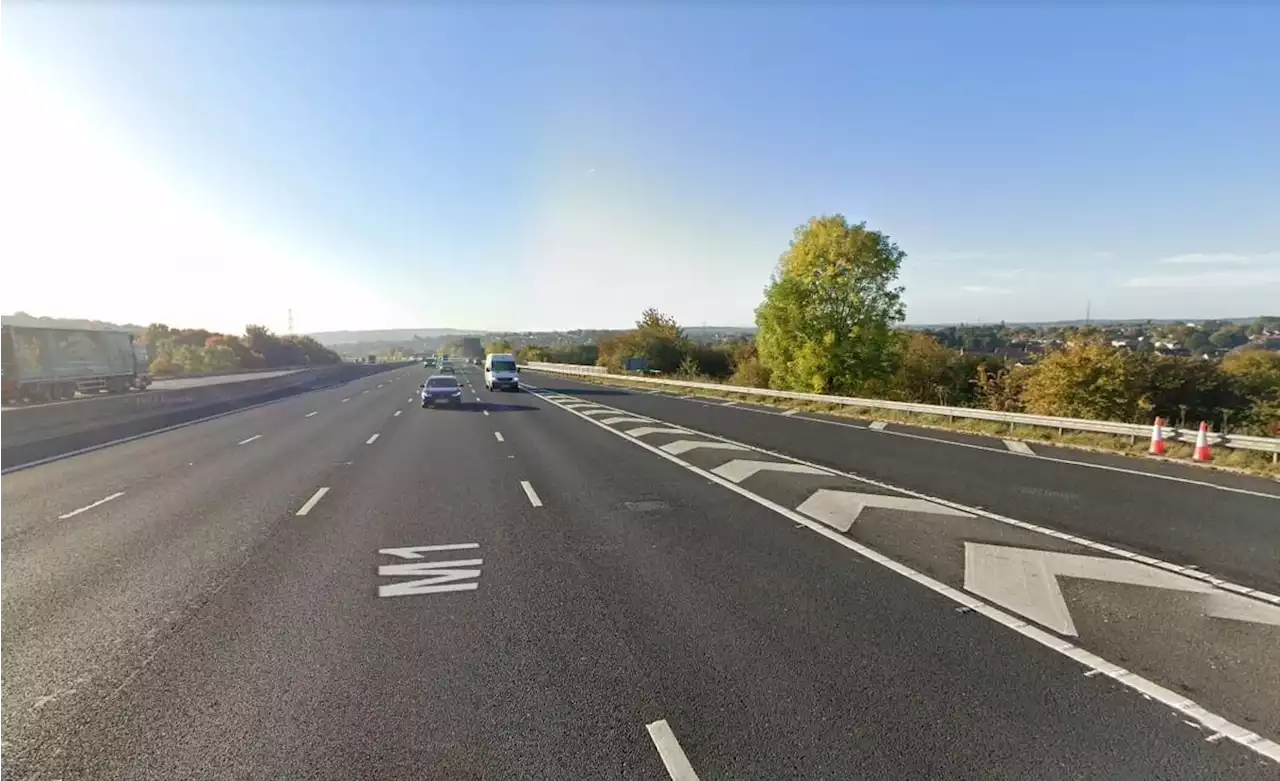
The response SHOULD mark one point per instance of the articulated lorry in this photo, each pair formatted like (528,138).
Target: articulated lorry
(46,364)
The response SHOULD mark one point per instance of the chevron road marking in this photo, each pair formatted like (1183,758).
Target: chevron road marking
(740,469)
(1026,581)
(840,509)
(685,445)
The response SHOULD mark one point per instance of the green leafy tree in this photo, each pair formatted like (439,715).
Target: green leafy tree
(826,323)
(498,346)
(1090,379)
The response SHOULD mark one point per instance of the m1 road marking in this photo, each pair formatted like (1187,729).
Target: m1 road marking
(432,577)
(1026,581)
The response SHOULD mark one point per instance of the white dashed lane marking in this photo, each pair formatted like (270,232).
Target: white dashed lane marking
(87,507)
(371,439)
(529,492)
(498,436)
(313,501)
(673,757)
(250,439)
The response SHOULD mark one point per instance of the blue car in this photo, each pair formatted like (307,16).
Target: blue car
(440,390)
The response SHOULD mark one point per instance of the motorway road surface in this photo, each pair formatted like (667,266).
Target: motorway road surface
(577,582)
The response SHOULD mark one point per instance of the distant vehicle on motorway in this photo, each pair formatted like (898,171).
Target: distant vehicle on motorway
(500,372)
(446,366)
(429,362)
(42,363)
(441,390)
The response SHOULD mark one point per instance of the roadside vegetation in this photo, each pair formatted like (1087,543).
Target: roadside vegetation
(195,350)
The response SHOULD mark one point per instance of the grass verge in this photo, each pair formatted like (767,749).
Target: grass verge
(1245,461)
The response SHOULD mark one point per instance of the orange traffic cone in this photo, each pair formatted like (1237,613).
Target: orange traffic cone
(1202,444)
(1157,438)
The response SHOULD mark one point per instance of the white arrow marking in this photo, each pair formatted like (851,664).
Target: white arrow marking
(646,430)
(740,469)
(840,509)
(1026,582)
(624,419)
(685,445)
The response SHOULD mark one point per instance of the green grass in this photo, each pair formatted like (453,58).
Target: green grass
(1250,461)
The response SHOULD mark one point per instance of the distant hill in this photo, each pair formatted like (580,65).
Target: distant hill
(22,318)
(389,335)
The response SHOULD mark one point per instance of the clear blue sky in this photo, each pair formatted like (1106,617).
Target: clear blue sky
(534,166)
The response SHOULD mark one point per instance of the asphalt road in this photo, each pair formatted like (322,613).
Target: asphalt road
(344,585)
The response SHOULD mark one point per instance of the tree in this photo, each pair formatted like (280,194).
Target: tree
(498,346)
(1090,379)
(826,322)
(1256,374)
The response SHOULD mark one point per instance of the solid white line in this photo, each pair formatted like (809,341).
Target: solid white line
(789,413)
(673,757)
(250,439)
(529,492)
(311,413)
(1019,447)
(397,413)
(498,436)
(877,425)
(371,439)
(313,501)
(74,513)
(729,403)
(1145,687)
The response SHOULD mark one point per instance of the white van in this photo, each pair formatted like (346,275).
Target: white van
(500,372)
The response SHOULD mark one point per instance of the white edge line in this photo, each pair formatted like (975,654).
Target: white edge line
(673,757)
(529,492)
(87,507)
(1212,721)
(313,501)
